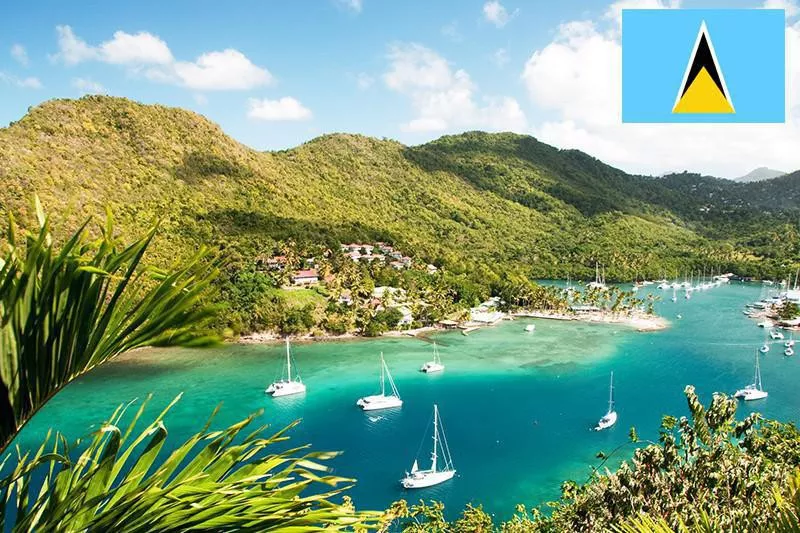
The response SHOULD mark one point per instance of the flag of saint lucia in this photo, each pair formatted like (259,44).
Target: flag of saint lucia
(703,65)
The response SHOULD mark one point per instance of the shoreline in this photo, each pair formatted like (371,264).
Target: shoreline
(639,322)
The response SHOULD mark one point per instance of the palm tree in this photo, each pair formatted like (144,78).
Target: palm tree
(63,312)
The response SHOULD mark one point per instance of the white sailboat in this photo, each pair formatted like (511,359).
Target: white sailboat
(610,418)
(754,391)
(382,400)
(775,335)
(599,282)
(674,294)
(418,479)
(287,385)
(435,365)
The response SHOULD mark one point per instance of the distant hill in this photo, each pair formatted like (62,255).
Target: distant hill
(759,174)
(496,200)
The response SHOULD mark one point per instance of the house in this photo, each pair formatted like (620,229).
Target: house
(277,262)
(395,294)
(305,277)
(408,317)
(431,269)
(479,316)
(397,265)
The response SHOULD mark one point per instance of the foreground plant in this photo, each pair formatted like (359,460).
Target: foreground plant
(65,311)
(222,480)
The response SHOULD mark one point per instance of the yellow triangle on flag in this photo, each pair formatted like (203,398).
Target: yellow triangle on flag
(703,96)
(703,90)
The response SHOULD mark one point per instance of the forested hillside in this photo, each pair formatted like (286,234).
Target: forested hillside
(497,203)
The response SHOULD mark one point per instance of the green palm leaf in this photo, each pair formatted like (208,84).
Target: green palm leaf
(63,312)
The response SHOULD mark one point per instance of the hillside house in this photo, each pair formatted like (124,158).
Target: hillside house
(305,277)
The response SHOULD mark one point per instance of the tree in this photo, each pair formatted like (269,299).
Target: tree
(789,311)
(63,312)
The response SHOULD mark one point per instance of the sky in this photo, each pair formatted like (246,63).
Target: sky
(274,74)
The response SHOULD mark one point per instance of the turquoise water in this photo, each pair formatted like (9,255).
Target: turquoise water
(516,407)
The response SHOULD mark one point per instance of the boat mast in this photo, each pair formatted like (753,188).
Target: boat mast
(435,436)
(758,374)
(288,362)
(611,394)
(383,380)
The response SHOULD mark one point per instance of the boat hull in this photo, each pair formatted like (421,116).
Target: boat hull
(374,403)
(430,367)
(279,389)
(750,393)
(607,421)
(426,478)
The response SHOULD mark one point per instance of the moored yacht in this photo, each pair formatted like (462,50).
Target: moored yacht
(437,473)
(382,400)
(435,365)
(610,418)
(287,385)
(754,391)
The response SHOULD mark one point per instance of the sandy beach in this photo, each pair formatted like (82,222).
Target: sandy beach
(640,322)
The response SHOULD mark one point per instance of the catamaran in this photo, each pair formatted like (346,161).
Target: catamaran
(435,365)
(610,418)
(287,385)
(418,479)
(755,391)
(382,400)
(775,335)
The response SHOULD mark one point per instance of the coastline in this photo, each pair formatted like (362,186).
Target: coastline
(639,322)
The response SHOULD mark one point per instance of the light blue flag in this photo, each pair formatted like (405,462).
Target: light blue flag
(703,65)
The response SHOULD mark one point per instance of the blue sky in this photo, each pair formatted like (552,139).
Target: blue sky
(275,73)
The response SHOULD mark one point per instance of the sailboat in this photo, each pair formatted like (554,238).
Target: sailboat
(610,418)
(287,386)
(435,365)
(382,400)
(418,479)
(674,294)
(755,391)
(599,282)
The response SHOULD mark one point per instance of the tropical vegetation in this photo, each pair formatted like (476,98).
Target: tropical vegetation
(484,208)
(63,311)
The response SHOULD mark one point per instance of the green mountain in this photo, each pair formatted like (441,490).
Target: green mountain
(759,174)
(505,201)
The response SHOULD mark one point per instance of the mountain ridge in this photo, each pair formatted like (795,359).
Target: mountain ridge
(498,199)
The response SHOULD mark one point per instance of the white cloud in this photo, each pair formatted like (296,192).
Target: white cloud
(353,5)
(444,99)
(226,70)
(71,49)
(22,83)
(576,79)
(286,108)
(496,13)
(87,86)
(790,6)
(364,81)
(500,57)
(19,54)
(140,49)
(450,31)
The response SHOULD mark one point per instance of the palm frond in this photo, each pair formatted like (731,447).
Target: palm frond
(217,480)
(63,312)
